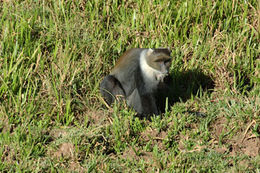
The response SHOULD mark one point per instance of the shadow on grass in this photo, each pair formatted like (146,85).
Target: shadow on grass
(182,85)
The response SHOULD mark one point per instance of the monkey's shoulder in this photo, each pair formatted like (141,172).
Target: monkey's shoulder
(128,61)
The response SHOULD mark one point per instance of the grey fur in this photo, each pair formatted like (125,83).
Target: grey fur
(134,81)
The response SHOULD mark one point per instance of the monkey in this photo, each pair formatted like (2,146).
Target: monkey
(137,76)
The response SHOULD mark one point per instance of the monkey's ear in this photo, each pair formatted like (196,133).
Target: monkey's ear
(169,51)
(149,52)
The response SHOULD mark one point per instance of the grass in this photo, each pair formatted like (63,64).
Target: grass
(53,55)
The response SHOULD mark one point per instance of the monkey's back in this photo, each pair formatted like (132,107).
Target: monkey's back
(126,67)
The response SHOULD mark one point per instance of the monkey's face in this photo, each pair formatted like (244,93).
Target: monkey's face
(160,60)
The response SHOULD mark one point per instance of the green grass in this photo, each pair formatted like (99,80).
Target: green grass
(53,55)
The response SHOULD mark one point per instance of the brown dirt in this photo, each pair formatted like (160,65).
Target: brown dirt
(75,166)
(251,147)
(131,154)
(243,142)
(147,157)
(65,150)
(97,118)
(246,143)
(219,127)
(221,149)
(58,133)
(155,136)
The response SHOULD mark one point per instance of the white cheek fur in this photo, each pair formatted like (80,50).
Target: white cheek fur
(160,77)
(151,76)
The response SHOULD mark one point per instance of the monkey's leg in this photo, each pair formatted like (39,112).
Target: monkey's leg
(134,101)
(110,87)
(143,104)
(149,104)
(145,95)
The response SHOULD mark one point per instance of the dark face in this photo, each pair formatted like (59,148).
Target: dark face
(160,60)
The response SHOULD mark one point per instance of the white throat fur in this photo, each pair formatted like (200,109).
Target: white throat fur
(151,76)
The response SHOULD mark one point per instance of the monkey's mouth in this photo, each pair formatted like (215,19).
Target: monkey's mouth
(160,77)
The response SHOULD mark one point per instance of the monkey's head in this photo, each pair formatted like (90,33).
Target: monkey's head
(160,60)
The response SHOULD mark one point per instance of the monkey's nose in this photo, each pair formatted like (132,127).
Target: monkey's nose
(166,73)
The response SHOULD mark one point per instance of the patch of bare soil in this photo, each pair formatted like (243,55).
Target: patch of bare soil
(184,149)
(219,127)
(96,118)
(251,147)
(75,166)
(247,142)
(58,133)
(148,158)
(130,154)
(244,142)
(155,136)
(66,150)
(135,153)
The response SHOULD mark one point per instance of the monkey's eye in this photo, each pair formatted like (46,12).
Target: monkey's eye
(162,60)
(159,60)
(167,62)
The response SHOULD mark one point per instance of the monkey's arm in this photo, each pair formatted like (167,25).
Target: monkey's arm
(147,100)
(110,87)
(148,103)
(142,103)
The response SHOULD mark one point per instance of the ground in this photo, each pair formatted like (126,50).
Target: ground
(54,54)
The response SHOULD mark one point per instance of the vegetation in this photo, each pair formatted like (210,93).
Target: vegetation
(53,55)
